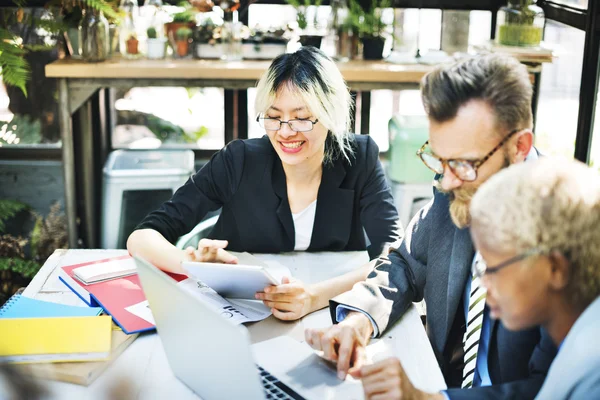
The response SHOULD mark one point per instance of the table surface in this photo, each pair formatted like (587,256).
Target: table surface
(119,68)
(142,371)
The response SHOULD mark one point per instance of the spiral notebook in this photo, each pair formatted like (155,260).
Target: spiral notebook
(19,306)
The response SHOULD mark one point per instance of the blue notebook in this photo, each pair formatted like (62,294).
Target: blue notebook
(24,307)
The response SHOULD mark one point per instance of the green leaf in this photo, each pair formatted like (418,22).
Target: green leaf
(27,268)
(15,69)
(8,209)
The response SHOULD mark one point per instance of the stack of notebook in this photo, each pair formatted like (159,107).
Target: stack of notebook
(41,331)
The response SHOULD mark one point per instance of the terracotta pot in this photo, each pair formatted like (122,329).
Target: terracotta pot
(132,46)
(173,26)
(182,48)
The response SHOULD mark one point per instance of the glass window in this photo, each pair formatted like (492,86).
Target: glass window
(595,150)
(172,117)
(574,3)
(558,106)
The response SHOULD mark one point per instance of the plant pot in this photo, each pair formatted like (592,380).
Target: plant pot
(210,51)
(311,40)
(262,51)
(73,42)
(182,48)
(132,46)
(156,48)
(373,48)
(171,28)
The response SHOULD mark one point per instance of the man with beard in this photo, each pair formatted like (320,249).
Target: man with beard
(480,118)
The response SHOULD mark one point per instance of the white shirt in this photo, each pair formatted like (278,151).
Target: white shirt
(303,225)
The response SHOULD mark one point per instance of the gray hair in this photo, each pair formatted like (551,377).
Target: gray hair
(551,204)
(500,81)
(320,84)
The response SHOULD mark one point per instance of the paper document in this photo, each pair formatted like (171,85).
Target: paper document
(238,311)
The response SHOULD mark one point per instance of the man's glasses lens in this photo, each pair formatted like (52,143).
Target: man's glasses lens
(433,163)
(463,170)
(297,125)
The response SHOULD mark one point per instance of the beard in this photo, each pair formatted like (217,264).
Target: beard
(460,199)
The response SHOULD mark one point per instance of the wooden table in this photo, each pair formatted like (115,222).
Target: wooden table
(143,369)
(78,81)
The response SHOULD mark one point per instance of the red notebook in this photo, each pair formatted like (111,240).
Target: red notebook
(113,295)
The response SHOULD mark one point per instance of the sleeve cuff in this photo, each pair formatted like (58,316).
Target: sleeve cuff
(342,311)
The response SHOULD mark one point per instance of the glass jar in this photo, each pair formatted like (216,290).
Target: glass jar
(95,43)
(231,37)
(128,35)
(520,23)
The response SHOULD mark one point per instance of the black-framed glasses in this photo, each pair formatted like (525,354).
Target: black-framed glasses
(296,125)
(465,170)
(480,268)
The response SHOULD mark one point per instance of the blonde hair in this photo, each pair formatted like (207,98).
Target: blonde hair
(551,204)
(318,82)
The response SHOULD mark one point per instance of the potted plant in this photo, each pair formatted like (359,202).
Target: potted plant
(264,45)
(207,40)
(132,44)
(309,34)
(520,23)
(183,19)
(182,38)
(371,27)
(156,45)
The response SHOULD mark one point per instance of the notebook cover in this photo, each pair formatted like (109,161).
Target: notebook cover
(55,339)
(24,307)
(117,294)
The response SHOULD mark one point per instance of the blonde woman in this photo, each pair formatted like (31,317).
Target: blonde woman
(307,185)
(537,227)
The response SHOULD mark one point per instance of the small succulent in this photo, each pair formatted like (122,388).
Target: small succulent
(151,32)
(183,33)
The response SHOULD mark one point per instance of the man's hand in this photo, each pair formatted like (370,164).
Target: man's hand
(343,343)
(289,301)
(210,251)
(387,380)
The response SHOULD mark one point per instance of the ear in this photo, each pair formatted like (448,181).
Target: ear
(524,145)
(559,270)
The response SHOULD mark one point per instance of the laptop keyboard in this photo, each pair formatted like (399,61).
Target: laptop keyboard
(275,389)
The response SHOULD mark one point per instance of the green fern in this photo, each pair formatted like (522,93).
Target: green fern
(27,268)
(8,209)
(15,69)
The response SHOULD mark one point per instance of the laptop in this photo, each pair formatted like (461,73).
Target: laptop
(215,358)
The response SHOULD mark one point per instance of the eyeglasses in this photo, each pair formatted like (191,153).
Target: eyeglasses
(480,268)
(296,125)
(465,170)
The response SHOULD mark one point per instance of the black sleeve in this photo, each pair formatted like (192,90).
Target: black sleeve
(208,190)
(377,209)
(524,389)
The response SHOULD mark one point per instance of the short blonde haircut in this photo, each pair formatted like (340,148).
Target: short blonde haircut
(551,204)
(318,82)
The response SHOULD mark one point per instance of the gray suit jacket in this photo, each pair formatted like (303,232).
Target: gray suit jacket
(575,373)
(433,261)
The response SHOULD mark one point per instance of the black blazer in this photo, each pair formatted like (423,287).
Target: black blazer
(433,261)
(246,179)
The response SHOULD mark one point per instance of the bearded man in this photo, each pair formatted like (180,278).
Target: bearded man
(480,119)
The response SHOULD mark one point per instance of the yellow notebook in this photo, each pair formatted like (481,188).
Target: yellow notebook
(24,340)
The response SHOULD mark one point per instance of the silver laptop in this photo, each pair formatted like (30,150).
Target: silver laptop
(214,357)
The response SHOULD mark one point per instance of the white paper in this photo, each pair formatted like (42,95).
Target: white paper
(239,311)
(143,311)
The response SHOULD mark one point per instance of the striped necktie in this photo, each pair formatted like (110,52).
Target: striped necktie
(474,324)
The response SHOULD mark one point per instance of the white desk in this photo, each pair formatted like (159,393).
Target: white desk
(143,368)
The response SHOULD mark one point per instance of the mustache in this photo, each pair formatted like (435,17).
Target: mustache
(462,194)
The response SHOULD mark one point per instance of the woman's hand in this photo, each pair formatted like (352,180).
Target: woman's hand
(386,379)
(210,251)
(289,301)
